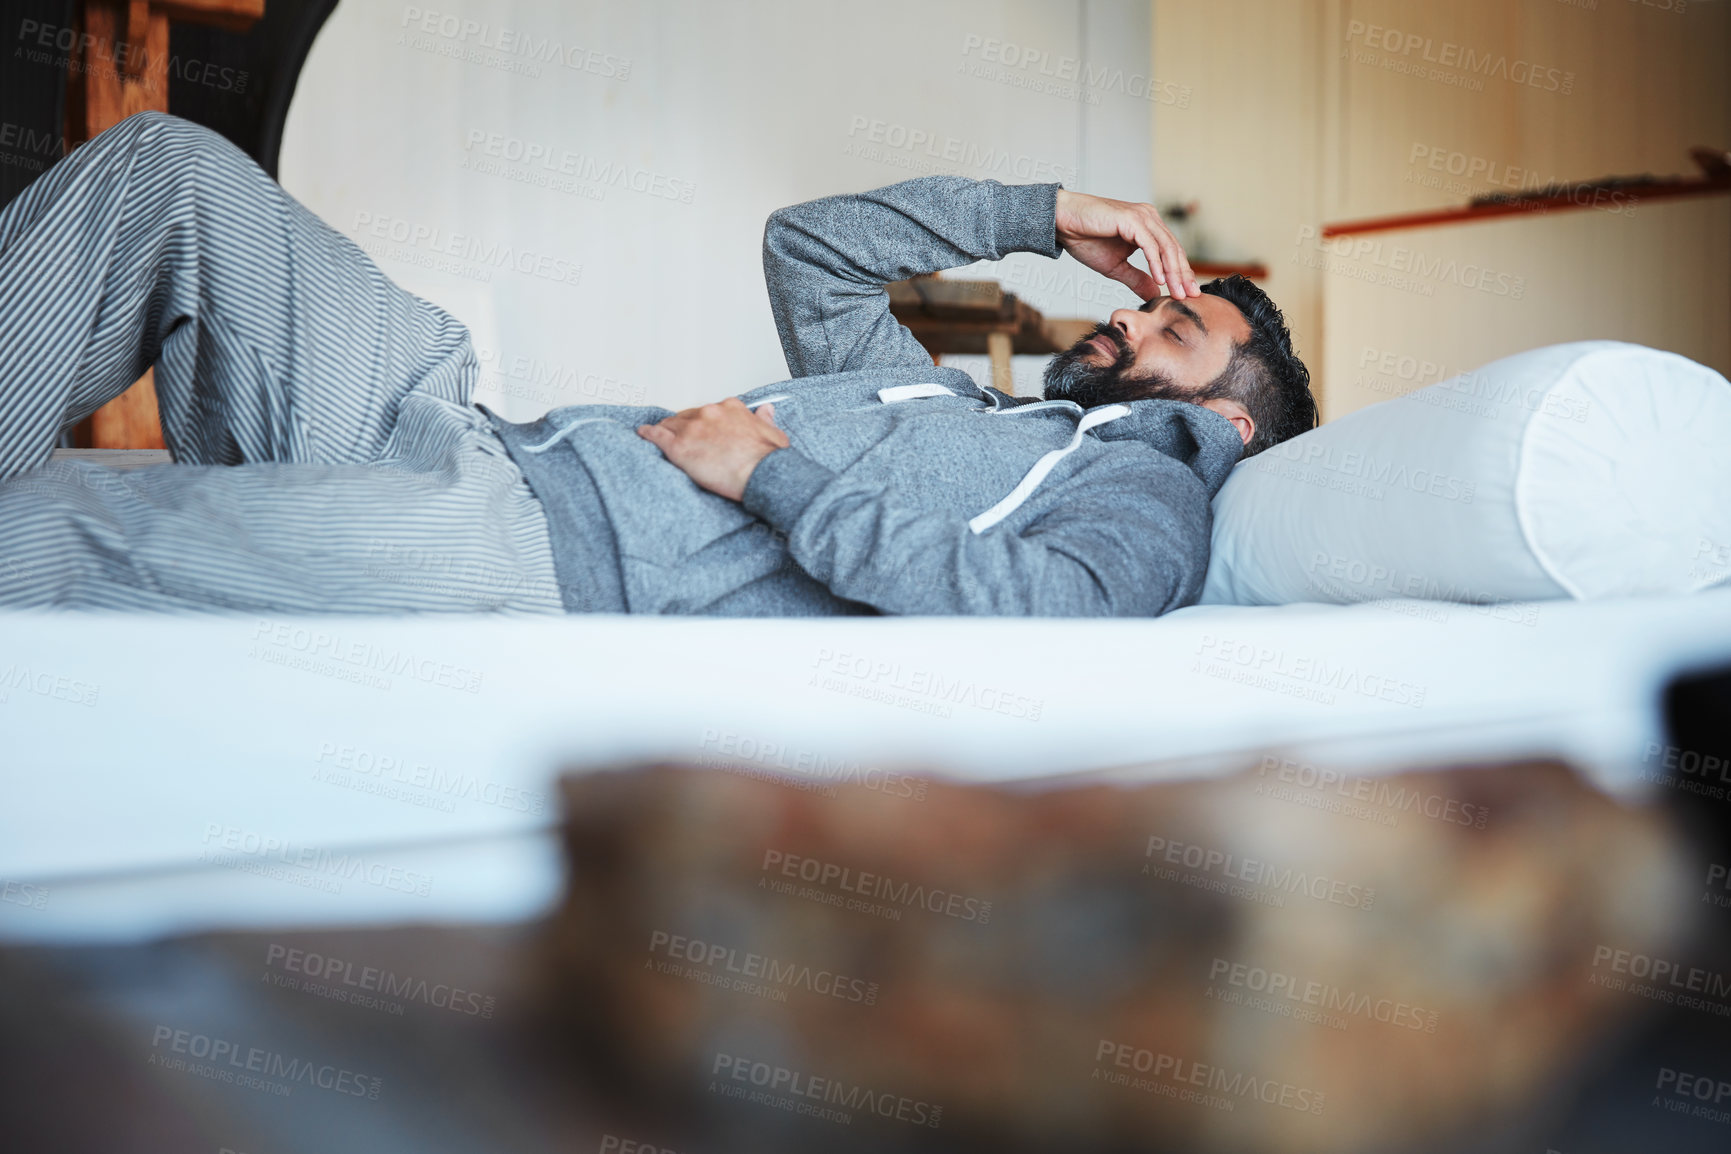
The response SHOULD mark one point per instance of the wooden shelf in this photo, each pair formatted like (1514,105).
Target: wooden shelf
(1633,194)
(1255,270)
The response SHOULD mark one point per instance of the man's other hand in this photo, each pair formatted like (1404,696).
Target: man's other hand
(1103,234)
(718,445)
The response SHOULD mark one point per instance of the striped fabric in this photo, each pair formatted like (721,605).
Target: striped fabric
(327,456)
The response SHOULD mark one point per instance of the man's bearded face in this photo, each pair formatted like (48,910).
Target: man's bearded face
(1096,370)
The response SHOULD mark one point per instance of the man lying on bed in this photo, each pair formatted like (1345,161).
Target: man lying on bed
(329,458)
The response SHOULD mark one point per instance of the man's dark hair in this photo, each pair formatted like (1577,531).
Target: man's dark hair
(1264,374)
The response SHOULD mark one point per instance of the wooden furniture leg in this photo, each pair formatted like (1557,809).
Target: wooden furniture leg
(998,348)
(119,67)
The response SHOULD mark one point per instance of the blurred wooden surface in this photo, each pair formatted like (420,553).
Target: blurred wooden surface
(465,1038)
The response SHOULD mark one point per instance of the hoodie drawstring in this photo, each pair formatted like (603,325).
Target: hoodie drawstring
(1031,480)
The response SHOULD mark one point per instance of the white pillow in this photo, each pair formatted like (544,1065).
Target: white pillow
(1581,470)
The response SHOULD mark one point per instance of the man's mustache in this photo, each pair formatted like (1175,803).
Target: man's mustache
(1120,347)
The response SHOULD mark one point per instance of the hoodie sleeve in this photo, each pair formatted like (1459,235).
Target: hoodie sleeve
(825,262)
(1127,538)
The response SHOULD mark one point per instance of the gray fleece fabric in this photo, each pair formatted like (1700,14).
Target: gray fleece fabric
(868,511)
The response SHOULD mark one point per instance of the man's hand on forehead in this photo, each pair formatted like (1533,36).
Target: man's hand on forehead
(1103,234)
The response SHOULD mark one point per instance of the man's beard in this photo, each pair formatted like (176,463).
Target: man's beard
(1071,378)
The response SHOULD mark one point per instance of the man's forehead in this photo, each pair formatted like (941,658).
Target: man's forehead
(1219,315)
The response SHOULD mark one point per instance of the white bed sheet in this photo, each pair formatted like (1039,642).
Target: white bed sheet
(171,773)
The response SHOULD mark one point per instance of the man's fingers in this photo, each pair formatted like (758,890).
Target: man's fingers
(1171,261)
(1135,280)
(1116,263)
(1180,263)
(1153,236)
(766,414)
(1092,229)
(1155,239)
(1143,239)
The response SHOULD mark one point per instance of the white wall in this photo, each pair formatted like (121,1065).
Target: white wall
(720,113)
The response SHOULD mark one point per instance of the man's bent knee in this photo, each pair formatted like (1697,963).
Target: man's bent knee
(154,134)
(155,124)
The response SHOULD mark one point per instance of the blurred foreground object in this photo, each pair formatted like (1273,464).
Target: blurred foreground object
(1291,960)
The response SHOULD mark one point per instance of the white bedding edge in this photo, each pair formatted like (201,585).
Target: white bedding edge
(199,736)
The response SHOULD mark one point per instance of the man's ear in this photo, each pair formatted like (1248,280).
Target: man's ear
(1236,413)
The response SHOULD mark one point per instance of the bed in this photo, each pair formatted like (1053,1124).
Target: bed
(170,774)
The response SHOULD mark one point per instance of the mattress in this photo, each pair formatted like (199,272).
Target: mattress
(164,774)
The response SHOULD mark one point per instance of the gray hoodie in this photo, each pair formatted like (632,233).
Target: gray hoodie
(908,489)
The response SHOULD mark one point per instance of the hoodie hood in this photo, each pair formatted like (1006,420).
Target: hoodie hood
(1201,439)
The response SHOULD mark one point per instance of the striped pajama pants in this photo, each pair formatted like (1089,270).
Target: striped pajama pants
(327,458)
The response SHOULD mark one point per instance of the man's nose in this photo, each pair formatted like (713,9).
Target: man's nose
(1130,323)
